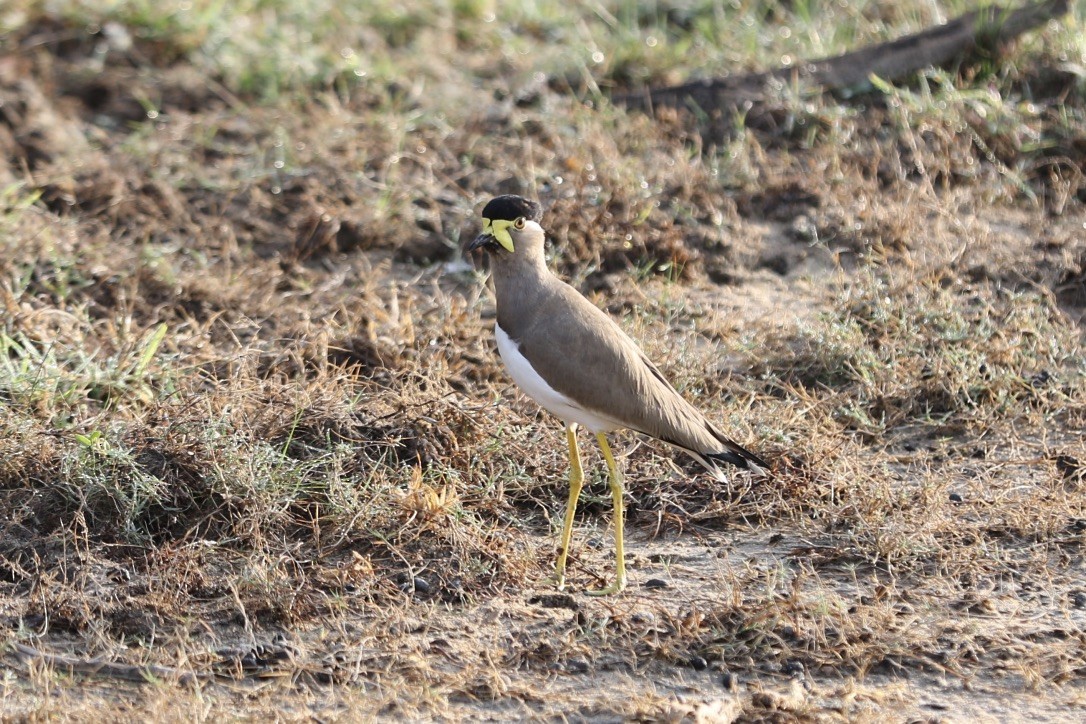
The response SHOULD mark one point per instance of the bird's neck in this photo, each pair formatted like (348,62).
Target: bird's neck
(516,282)
(511,274)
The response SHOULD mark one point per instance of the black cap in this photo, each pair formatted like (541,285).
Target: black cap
(512,207)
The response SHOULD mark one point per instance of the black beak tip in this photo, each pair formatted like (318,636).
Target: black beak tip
(479,242)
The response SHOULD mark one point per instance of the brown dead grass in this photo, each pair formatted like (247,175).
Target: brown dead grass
(320,487)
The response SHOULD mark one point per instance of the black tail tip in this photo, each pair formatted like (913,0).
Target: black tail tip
(745,460)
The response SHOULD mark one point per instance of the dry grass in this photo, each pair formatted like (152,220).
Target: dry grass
(252,425)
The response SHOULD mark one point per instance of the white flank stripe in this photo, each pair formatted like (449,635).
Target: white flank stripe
(550,399)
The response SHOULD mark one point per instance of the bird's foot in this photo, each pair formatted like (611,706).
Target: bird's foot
(618,584)
(557,580)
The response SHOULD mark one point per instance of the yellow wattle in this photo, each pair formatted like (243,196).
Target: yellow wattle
(499,229)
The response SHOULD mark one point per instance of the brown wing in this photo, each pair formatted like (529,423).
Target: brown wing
(627,386)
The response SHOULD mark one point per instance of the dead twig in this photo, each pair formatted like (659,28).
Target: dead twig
(97,667)
(989,28)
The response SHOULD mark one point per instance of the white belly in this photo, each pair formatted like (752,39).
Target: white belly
(546,396)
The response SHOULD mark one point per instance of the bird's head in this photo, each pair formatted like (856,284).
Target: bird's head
(510,225)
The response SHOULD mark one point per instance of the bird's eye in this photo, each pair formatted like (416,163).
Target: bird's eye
(519,224)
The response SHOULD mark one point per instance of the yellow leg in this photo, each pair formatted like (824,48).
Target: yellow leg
(616,496)
(576,481)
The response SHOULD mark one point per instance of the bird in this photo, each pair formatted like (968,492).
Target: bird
(578,364)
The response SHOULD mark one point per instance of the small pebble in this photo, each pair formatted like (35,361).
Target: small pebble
(730,681)
(792,668)
(415,585)
(577,667)
(554,600)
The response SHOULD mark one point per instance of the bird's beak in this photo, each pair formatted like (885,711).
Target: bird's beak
(480,241)
(496,231)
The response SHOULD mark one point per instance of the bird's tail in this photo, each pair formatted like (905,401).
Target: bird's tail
(737,455)
(732,453)
(741,458)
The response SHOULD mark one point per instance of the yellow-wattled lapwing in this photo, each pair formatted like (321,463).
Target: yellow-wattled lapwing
(573,360)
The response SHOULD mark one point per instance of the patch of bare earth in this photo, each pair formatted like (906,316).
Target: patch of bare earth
(316,494)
